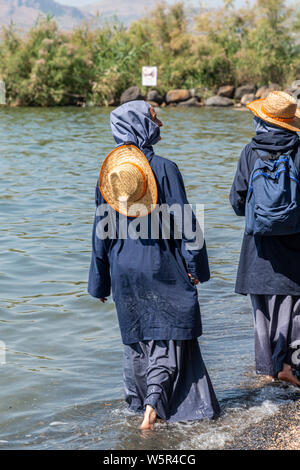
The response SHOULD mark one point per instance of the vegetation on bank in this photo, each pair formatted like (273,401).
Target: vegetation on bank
(48,67)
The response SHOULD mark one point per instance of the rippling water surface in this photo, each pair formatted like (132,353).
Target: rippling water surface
(61,386)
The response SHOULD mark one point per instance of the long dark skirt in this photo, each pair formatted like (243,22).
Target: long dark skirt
(277,331)
(171,377)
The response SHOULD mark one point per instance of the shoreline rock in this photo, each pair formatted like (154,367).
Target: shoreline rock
(155,96)
(227,91)
(246,99)
(263,91)
(131,94)
(189,103)
(176,96)
(220,101)
(244,90)
(227,95)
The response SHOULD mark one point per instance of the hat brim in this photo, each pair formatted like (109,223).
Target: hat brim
(146,204)
(292,125)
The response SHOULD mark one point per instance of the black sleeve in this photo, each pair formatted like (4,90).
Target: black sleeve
(99,284)
(239,189)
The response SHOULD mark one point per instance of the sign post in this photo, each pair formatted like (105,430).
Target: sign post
(149,76)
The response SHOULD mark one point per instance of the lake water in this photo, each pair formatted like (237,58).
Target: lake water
(61,385)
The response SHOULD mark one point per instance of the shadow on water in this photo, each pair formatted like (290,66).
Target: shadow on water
(61,386)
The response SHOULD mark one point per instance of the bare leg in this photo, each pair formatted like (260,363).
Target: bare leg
(149,418)
(287,375)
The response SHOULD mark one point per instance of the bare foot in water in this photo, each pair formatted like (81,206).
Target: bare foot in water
(287,375)
(149,418)
(267,378)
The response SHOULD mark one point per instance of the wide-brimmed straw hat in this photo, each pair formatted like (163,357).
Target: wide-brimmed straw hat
(127,183)
(279,108)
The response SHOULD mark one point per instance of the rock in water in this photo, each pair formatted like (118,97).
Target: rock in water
(227,91)
(131,94)
(219,101)
(191,102)
(154,95)
(176,96)
(244,90)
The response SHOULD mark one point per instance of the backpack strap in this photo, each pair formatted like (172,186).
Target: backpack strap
(273,157)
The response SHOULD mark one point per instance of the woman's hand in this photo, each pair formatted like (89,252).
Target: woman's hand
(103,299)
(193,279)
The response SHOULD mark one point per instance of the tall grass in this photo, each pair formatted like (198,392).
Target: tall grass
(48,67)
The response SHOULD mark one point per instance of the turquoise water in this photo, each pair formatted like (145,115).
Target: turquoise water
(61,386)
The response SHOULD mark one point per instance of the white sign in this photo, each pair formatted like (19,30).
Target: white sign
(149,76)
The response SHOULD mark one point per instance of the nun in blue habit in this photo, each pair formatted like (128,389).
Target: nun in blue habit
(153,278)
(269,265)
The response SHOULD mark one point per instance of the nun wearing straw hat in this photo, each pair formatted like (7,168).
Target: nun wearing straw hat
(269,266)
(153,278)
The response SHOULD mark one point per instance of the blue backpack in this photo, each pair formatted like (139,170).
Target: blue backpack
(273,199)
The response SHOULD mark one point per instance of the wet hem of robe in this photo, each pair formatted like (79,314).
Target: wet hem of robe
(273,372)
(210,415)
(266,372)
(264,292)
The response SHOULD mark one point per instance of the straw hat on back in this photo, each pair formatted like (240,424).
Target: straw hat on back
(127,183)
(279,108)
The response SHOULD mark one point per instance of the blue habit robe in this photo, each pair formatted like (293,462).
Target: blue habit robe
(268,265)
(154,297)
